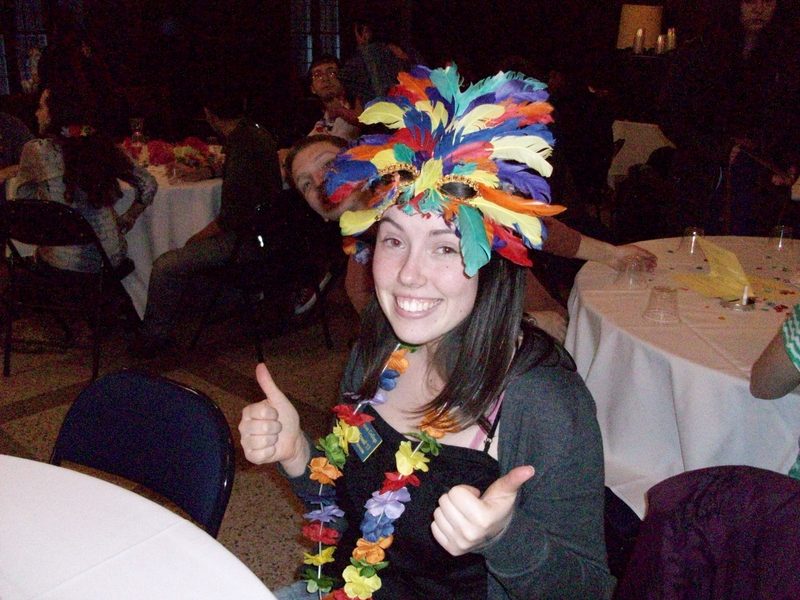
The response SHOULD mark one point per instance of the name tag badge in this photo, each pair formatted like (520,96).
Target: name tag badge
(370,440)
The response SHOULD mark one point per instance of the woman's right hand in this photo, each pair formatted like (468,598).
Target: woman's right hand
(270,429)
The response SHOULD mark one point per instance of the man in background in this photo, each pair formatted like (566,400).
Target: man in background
(250,176)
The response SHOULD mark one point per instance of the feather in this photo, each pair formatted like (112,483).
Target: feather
(529,227)
(518,204)
(527,149)
(437,112)
(430,174)
(469,152)
(384,158)
(510,247)
(476,90)
(403,153)
(383,113)
(413,88)
(523,181)
(475,247)
(355,222)
(477,118)
(343,191)
(447,82)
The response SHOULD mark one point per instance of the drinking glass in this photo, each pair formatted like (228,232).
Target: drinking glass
(662,307)
(632,277)
(690,241)
(781,239)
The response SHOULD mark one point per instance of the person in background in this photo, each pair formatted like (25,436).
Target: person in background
(483,434)
(374,66)
(250,177)
(777,371)
(79,166)
(72,53)
(307,165)
(14,134)
(729,104)
(339,115)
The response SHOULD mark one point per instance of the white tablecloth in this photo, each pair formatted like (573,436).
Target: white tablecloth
(177,213)
(640,140)
(68,536)
(672,398)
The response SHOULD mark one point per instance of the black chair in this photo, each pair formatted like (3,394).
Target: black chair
(36,286)
(265,270)
(717,533)
(155,432)
(621,526)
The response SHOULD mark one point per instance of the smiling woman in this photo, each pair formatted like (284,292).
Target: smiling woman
(450,403)
(419,277)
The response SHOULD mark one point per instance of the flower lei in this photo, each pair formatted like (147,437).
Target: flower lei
(384,507)
(76,131)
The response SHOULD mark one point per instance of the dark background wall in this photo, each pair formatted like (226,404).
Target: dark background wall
(179,46)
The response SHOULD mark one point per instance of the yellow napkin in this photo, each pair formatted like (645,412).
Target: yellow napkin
(726,278)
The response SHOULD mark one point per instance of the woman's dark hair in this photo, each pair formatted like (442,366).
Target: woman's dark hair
(477,358)
(92,163)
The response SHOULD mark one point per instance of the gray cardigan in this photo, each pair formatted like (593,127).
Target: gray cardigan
(554,546)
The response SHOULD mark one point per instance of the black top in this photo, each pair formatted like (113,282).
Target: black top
(418,566)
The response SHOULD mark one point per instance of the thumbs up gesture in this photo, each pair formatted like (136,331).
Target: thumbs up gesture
(466,520)
(270,430)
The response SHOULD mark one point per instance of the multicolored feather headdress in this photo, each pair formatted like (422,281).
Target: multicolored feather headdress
(478,157)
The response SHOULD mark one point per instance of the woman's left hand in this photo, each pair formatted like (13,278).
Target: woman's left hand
(464,520)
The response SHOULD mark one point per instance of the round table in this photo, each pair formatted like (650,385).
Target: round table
(178,211)
(672,398)
(68,536)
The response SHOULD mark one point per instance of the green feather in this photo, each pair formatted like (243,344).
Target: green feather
(475,248)
(403,153)
(447,82)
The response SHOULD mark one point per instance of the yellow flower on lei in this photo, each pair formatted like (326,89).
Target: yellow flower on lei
(323,471)
(409,461)
(347,434)
(358,586)
(372,552)
(317,560)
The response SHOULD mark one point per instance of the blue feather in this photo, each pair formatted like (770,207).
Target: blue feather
(523,180)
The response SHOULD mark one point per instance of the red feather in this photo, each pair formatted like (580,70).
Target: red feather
(511,247)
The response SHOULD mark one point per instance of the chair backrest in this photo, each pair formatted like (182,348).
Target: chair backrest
(720,532)
(156,432)
(47,223)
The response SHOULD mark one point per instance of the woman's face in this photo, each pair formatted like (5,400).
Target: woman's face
(43,112)
(756,14)
(419,276)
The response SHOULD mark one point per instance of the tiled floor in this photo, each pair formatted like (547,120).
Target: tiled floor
(262,522)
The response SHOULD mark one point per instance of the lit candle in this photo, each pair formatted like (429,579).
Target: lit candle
(638,41)
(661,44)
(672,41)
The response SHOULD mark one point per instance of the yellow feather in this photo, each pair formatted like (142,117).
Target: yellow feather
(384,158)
(355,222)
(476,119)
(531,227)
(527,149)
(430,174)
(437,112)
(484,177)
(385,113)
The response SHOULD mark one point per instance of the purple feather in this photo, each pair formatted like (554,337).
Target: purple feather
(523,180)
